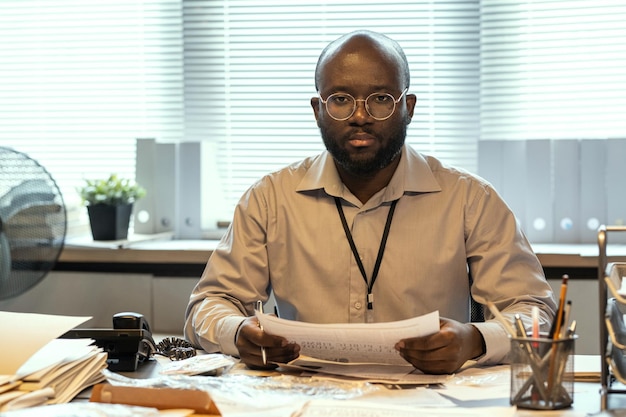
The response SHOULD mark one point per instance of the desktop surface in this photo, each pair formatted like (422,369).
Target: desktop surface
(253,383)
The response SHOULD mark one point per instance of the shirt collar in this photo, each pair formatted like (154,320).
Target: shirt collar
(413,175)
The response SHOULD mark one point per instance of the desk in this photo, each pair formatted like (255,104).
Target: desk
(586,397)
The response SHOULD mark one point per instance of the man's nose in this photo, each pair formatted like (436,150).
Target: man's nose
(360,112)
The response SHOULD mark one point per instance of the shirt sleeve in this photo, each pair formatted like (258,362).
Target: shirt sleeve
(505,271)
(234,279)
(497,342)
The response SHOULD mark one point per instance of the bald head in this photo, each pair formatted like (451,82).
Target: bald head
(354,41)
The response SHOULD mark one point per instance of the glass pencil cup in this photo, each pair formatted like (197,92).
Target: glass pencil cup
(542,376)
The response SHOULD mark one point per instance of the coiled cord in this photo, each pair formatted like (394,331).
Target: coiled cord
(175,349)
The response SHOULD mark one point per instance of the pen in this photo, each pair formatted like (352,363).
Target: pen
(572,329)
(259,308)
(521,330)
(535,316)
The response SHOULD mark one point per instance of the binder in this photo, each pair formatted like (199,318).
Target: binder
(539,222)
(593,196)
(502,163)
(490,161)
(616,186)
(514,178)
(189,217)
(566,161)
(166,203)
(145,165)
(156,167)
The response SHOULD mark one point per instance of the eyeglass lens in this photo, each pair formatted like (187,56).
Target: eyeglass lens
(379,105)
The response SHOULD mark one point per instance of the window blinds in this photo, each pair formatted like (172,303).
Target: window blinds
(80,81)
(249,77)
(553,69)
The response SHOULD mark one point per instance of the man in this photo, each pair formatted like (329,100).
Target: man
(369,231)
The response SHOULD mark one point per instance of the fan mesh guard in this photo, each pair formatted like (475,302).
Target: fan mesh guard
(33,222)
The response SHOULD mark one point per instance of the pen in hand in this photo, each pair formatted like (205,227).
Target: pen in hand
(259,308)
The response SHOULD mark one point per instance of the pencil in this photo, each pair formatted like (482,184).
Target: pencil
(496,313)
(559,314)
(566,316)
(557,330)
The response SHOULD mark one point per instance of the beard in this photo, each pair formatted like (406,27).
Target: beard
(362,166)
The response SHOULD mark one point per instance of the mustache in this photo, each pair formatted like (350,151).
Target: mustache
(363,130)
(366,131)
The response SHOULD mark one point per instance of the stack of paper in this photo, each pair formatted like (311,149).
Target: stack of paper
(362,351)
(36,368)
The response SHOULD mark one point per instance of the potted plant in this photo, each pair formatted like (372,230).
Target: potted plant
(109,205)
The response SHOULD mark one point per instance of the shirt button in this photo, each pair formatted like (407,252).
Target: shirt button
(358,305)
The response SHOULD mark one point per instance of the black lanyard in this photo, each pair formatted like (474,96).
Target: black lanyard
(381,249)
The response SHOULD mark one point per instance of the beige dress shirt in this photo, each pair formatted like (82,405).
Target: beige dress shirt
(286,236)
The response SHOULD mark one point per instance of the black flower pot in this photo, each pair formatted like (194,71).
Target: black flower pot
(109,222)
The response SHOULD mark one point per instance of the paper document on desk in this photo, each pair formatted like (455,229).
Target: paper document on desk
(23,334)
(340,408)
(40,369)
(351,342)
(396,375)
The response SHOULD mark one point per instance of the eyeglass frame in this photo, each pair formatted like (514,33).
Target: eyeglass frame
(395,103)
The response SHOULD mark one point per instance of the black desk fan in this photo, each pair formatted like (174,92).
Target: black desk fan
(33,223)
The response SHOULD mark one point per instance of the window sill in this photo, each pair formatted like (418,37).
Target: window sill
(161,249)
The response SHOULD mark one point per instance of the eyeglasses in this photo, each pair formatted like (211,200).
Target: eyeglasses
(341,106)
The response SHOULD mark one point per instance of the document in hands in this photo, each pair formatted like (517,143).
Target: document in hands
(351,342)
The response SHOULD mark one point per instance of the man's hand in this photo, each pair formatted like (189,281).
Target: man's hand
(445,351)
(251,339)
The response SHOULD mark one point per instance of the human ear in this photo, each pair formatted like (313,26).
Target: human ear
(411,100)
(315,104)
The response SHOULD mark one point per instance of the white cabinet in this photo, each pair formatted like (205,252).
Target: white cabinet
(100,295)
